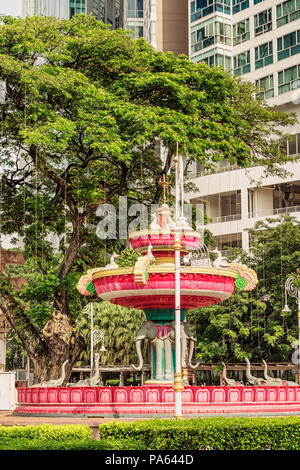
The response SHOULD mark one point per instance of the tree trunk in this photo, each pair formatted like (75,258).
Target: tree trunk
(48,351)
(63,343)
(48,366)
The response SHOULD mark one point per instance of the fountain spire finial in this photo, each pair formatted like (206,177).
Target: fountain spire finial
(164,184)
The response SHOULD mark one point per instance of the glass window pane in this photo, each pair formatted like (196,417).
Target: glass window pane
(295,49)
(278,11)
(298,143)
(280,78)
(292,145)
(289,6)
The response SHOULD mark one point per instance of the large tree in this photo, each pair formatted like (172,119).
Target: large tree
(83,108)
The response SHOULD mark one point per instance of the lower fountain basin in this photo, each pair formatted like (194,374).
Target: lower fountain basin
(157,400)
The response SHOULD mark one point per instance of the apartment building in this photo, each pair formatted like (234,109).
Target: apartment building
(258,40)
(163,23)
(108,11)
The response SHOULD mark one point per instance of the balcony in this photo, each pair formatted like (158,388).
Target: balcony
(225,218)
(274,212)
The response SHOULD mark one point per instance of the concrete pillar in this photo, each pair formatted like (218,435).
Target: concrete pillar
(244,217)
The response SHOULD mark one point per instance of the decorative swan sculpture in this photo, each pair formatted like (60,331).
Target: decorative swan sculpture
(251,379)
(55,382)
(220,261)
(226,381)
(93,381)
(112,263)
(270,380)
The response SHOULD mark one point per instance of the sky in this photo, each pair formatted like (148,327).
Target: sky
(11,7)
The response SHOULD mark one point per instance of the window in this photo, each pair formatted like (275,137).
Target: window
(138,30)
(135,9)
(215,58)
(258,1)
(77,7)
(291,145)
(239,5)
(264,55)
(241,32)
(266,87)
(288,45)
(117,15)
(263,22)
(241,63)
(289,79)
(201,8)
(208,33)
(287,12)
(100,9)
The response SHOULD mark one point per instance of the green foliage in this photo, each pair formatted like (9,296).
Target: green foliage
(59,437)
(46,431)
(212,433)
(128,257)
(119,325)
(69,444)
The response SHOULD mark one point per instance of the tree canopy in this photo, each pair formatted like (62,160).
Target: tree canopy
(83,109)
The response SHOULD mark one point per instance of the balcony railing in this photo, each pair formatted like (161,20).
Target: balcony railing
(271,212)
(225,218)
(208,171)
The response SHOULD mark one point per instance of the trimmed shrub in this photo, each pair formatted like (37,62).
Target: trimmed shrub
(60,437)
(53,432)
(255,433)
(68,444)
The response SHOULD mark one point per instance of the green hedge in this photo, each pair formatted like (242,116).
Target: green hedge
(69,444)
(52,432)
(60,437)
(256,433)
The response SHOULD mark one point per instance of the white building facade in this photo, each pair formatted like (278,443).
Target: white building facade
(260,41)
(56,8)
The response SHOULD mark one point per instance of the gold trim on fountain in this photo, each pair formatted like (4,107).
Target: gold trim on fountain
(168,268)
(162,231)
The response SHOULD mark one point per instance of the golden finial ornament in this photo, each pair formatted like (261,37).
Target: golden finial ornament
(164,184)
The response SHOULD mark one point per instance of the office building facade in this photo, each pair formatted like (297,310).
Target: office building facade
(163,23)
(109,11)
(258,40)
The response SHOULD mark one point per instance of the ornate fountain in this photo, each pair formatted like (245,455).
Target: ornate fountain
(151,285)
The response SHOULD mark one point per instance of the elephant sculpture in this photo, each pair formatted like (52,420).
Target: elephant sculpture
(153,333)
(162,339)
(186,352)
